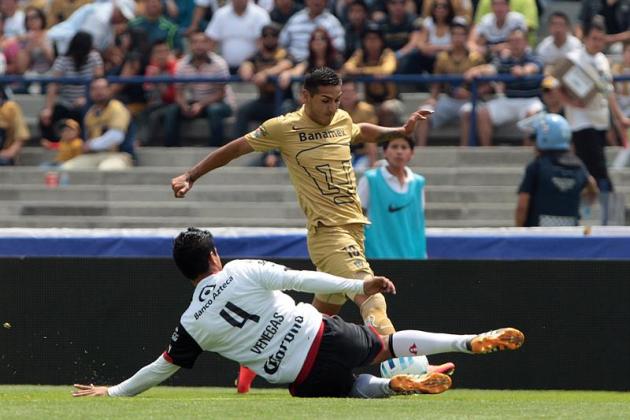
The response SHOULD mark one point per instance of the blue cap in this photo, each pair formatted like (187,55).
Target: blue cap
(553,133)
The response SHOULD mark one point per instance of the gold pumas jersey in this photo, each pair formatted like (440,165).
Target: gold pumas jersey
(319,162)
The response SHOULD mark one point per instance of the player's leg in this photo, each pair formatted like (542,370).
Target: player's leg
(414,342)
(369,386)
(340,251)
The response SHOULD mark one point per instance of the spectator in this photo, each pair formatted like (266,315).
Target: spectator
(68,100)
(616,14)
(158,95)
(364,154)
(135,61)
(236,27)
(448,99)
(10,47)
(435,35)
(200,100)
(203,8)
(180,12)
(296,33)
(520,96)
(70,144)
(269,61)
(107,147)
(527,8)
(99,19)
(589,121)
(623,88)
(549,194)
(157,26)
(393,198)
(321,53)
(60,10)
(401,30)
(13,131)
(462,8)
(283,10)
(490,35)
(357,22)
(560,42)
(36,53)
(13,18)
(552,102)
(377,60)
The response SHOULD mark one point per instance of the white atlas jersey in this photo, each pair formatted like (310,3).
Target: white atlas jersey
(241,314)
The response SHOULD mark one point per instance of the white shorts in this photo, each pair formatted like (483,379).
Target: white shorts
(447,109)
(503,110)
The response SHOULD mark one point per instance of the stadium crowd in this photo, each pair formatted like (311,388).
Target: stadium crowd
(287,38)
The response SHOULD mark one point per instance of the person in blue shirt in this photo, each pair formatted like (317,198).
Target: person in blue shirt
(554,182)
(393,198)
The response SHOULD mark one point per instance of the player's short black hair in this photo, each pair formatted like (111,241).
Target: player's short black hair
(408,139)
(322,76)
(191,250)
(597,23)
(561,15)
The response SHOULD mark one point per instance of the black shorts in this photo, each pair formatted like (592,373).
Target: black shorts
(344,347)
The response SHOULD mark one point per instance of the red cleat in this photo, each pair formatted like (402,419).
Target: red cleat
(245,378)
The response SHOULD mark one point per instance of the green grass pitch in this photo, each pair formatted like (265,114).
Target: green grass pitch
(55,402)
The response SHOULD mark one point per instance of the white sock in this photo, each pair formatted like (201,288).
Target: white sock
(416,343)
(368,386)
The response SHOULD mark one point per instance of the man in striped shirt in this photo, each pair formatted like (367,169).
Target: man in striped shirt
(520,96)
(212,101)
(297,32)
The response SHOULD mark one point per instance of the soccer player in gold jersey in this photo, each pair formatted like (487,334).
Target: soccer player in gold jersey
(315,145)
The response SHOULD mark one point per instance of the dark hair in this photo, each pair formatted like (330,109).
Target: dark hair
(561,15)
(40,14)
(410,142)
(597,23)
(323,76)
(191,250)
(79,49)
(451,11)
(359,3)
(331,52)
(271,27)
(373,28)
(159,41)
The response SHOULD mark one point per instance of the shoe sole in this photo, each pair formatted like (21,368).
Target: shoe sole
(447,368)
(430,383)
(502,339)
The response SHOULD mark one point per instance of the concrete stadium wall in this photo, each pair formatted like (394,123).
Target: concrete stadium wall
(99,320)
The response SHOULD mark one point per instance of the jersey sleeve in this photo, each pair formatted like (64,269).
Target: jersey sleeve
(266,137)
(183,350)
(273,276)
(355,133)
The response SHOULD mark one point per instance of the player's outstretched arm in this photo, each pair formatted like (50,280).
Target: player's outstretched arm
(371,133)
(147,377)
(222,156)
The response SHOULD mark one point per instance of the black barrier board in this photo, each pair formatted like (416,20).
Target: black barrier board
(71,320)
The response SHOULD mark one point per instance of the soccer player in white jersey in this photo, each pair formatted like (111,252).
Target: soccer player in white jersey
(240,312)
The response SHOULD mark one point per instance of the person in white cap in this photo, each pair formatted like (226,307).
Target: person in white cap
(99,19)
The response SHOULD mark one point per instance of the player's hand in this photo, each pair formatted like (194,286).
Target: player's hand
(89,391)
(378,284)
(419,115)
(181,185)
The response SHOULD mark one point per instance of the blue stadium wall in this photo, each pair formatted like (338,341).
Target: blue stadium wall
(99,320)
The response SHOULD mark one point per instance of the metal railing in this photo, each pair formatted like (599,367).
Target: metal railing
(279,96)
